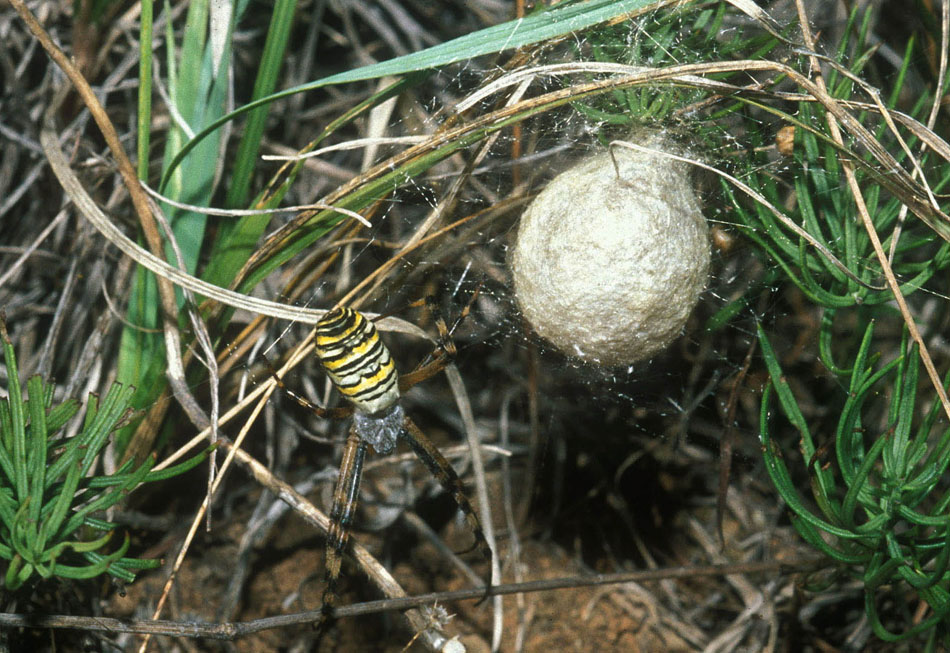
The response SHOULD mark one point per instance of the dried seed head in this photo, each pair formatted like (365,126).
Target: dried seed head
(610,260)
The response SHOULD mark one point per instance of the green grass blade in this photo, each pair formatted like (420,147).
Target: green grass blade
(271,60)
(144,116)
(198,86)
(541,26)
(233,247)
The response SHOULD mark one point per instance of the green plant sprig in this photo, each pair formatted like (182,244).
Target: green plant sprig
(48,493)
(883,514)
(826,210)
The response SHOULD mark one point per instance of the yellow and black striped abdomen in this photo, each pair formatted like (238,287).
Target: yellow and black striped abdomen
(357,361)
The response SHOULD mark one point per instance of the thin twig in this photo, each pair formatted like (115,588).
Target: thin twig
(234,630)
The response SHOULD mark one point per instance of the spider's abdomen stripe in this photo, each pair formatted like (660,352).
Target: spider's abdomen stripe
(357,361)
(343,361)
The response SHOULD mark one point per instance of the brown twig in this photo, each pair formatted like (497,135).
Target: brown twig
(728,439)
(233,630)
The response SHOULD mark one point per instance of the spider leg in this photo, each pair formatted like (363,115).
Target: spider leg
(345,498)
(443,471)
(327,413)
(445,350)
(424,372)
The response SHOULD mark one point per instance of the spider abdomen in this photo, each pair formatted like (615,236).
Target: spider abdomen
(356,360)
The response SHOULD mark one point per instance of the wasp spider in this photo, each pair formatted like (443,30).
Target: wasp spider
(361,368)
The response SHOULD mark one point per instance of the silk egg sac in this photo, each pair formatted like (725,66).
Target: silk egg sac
(612,256)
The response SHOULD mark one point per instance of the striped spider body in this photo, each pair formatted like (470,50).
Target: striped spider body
(361,368)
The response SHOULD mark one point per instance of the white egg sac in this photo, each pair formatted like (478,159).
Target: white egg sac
(610,260)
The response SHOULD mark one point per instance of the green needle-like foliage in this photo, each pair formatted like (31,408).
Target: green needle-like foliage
(884,514)
(48,492)
(870,491)
(685,35)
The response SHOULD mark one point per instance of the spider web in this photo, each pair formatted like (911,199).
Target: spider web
(635,447)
